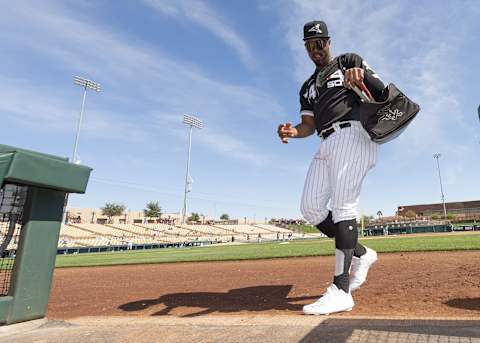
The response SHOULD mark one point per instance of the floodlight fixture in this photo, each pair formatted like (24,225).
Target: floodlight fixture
(192,122)
(86,84)
(437,156)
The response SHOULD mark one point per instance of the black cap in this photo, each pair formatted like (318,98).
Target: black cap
(315,29)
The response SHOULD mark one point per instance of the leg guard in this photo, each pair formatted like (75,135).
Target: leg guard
(346,236)
(343,260)
(345,241)
(328,228)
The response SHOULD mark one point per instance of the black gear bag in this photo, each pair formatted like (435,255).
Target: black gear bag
(386,120)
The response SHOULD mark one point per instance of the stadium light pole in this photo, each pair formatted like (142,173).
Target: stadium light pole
(86,84)
(437,156)
(192,122)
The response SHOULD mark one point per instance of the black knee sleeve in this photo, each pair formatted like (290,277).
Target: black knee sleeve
(346,235)
(327,227)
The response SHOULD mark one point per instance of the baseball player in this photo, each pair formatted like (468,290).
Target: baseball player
(328,104)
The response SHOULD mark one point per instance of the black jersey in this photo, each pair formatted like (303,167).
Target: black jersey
(327,100)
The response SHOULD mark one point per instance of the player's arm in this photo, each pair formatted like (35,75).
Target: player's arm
(307,125)
(304,129)
(359,74)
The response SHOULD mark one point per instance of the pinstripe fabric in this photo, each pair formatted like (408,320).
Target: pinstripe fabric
(336,173)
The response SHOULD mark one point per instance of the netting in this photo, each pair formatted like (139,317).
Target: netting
(12,201)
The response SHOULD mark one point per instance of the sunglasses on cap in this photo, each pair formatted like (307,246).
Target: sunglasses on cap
(316,44)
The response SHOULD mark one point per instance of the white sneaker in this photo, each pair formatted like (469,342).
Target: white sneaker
(360,267)
(334,300)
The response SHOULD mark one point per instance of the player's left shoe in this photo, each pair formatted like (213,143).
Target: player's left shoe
(360,267)
(334,300)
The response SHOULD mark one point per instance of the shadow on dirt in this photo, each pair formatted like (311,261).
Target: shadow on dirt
(253,299)
(465,303)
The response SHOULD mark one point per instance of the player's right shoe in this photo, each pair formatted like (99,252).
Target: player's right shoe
(360,267)
(334,300)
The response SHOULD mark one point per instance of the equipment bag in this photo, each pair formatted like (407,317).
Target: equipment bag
(386,120)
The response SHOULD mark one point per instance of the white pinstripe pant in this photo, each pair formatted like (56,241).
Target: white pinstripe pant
(336,174)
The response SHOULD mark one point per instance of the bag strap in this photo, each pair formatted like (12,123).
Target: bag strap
(326,71)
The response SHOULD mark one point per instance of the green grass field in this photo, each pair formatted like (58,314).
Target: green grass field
(270,250)
(303,228)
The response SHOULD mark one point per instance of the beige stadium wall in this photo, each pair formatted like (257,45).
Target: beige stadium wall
(93,215)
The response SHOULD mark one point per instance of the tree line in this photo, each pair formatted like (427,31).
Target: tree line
(152,210)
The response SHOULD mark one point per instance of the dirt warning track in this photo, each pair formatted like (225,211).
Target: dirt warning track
(407,285)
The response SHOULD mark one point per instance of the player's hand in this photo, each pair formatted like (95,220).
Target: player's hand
(286,131)
(353,77)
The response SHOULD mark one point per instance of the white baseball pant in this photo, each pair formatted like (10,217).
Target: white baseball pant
(336,174)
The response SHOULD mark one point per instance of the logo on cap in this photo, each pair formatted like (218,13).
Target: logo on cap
(316,28)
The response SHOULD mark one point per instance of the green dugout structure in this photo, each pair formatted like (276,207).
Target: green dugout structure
(33,192)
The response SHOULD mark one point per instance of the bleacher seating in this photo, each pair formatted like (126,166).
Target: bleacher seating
(208,229)
(246,229)
(104,230)
(273,228)
(84,235)
(121,236)
(132,228)
(74,232)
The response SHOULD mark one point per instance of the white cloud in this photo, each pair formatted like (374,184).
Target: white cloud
(24,101)
(224,144)
(200,13)
(141,85)
(229,145)
(46,109)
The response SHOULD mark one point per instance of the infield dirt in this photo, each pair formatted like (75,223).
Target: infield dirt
(403,285)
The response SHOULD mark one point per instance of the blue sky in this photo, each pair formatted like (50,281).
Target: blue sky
(238,66)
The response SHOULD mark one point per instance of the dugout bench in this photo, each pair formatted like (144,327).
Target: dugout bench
(33,192)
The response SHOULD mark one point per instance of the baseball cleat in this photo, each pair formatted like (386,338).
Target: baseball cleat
(334,300)
(360,267)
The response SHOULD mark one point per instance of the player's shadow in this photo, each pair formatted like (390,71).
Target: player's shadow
(465,303)
(254,299)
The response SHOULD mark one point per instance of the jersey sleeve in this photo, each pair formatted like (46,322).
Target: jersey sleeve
(306,99)
(371,79)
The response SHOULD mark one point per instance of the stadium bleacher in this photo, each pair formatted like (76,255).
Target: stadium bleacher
(87,237)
